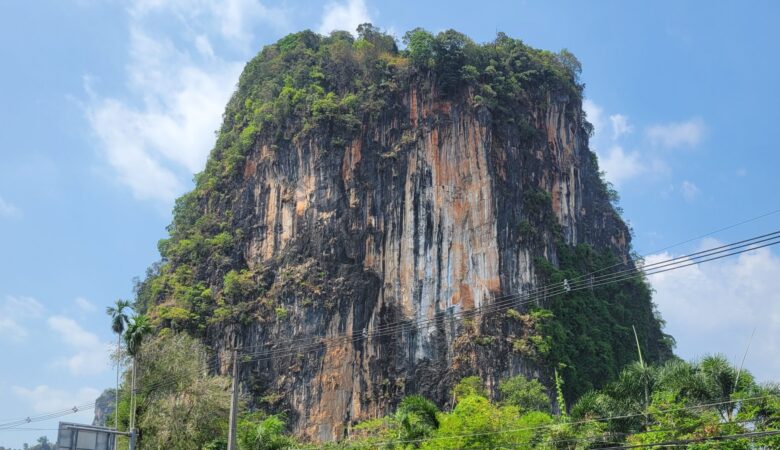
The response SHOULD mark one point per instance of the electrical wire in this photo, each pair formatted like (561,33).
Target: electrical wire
(542,291)
(687,241)
(46,416)
(661,267)
(503,302)
(508,302)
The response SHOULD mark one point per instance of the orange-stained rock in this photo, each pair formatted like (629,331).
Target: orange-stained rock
(374,248)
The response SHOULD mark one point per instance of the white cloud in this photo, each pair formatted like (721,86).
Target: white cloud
(344,16)
(11,329)
(21,307)
(45,399)
(620,126)
(203,44)
(13,312)
(713,307)
(233,19)
(156,147)
(620,165)
(625,160)
(595,115)
(85,305)
(8,209)
(689,190)
(677,134)
(155,144)
(236,18)
(91,355)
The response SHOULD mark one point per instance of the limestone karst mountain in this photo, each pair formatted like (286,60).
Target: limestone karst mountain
(358,189)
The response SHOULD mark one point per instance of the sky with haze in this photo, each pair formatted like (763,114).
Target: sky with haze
(110,106)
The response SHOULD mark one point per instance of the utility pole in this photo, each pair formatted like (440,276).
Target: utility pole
(131,440)
(233,404)
(644,376)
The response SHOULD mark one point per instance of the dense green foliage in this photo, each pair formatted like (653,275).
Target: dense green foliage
(590,330)
(670,402)
(259,432)
(180,406)
(526,395)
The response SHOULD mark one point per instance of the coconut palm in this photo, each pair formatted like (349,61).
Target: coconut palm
(119,321)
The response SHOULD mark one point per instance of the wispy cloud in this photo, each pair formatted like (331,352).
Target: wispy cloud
(620,165)
(690,191)
(85,305)
(677,134)
(231,20)
(344,16)
(14,311)
(594,114)
(8,209)
(624,159)
(91,355)
(237,17)
(620,126)
(154,145)
(713,308)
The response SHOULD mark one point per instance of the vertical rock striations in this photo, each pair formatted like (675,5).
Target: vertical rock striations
(358,190)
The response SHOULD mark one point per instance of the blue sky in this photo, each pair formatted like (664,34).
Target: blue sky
(109,107)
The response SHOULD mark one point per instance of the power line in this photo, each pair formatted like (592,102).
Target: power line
(504,301)
(728,227)
(541,292)
(18,423)
(393,328)
(46,416)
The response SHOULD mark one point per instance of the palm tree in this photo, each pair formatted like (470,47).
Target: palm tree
(417,417)
(137,328)
(118,322)
(713,379)
(723,380)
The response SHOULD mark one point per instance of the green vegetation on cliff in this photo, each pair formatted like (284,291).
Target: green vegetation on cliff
(590,332)
(307,82)
(311,85)
(328,91)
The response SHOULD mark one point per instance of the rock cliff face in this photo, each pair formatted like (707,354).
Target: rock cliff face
(344,254)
